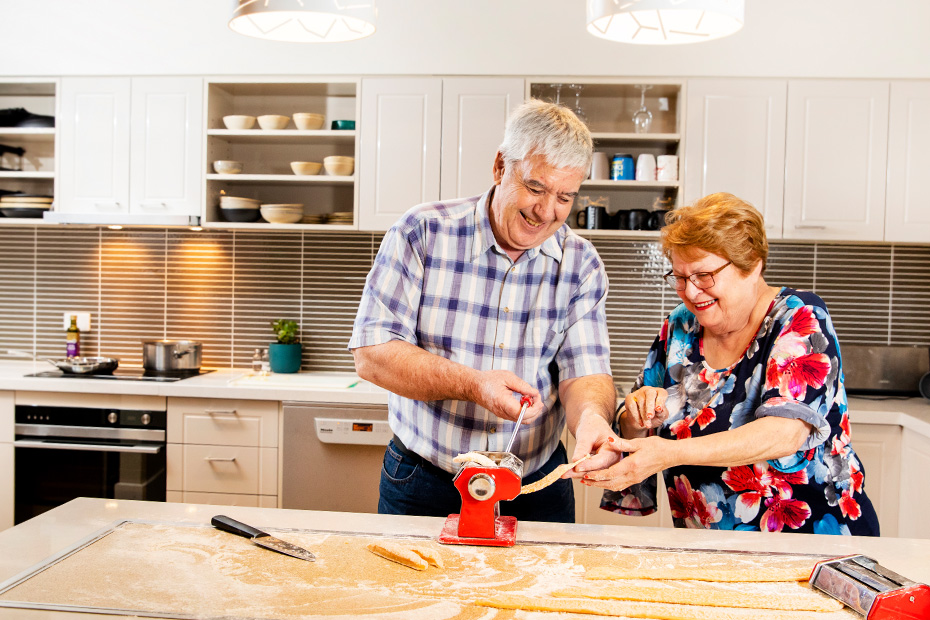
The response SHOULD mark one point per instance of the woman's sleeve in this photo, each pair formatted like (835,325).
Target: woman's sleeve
(641,499)
(802,370)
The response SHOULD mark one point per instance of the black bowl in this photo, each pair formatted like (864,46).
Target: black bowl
(239,215)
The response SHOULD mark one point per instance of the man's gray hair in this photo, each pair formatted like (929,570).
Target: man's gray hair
(548,129)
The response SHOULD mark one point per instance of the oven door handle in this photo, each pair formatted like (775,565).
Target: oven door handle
(87,447)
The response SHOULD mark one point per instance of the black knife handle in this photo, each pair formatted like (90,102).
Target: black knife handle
(232,526)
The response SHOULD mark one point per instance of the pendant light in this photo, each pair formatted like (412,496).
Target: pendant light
(664,22)
(304,21)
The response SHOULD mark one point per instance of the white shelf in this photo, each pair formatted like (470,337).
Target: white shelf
(630,184)
(612,232)
(26,174)
(258,226)
(636,137)
(320,179)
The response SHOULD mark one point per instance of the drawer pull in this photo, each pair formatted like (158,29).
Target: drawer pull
(218,459)
(230,412)
(809,227)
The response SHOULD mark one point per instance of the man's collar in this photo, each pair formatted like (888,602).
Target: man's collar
(484,236)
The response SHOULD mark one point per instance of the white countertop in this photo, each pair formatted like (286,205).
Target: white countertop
(29,543)
(324,387)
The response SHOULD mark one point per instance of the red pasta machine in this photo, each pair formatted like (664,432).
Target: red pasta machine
(872,590)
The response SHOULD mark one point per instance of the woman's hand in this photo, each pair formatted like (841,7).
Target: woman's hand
(644,410)
(645,456)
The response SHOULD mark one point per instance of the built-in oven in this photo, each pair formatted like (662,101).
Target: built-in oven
(62,453)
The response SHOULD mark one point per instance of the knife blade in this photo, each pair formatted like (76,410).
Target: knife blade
(260,538)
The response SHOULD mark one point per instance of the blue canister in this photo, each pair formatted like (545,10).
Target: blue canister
(622,167)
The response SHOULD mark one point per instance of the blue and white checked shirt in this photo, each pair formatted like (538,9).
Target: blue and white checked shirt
(441,282)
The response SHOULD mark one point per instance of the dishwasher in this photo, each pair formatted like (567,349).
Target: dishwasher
(332,456)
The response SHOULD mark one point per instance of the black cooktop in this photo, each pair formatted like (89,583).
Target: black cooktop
(126,374)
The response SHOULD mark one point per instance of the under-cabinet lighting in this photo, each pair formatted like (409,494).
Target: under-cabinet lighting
(305,21)
(115,227)
(664,22)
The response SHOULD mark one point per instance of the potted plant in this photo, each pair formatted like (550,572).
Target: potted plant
(284,354)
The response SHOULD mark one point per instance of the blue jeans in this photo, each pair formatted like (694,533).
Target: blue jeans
(411,485)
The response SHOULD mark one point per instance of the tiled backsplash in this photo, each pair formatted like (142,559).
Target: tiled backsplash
(224,288)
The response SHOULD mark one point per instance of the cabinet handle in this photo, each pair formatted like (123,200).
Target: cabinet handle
(231,412)
(809,227)
(107,206)
(154,206)
(217,459)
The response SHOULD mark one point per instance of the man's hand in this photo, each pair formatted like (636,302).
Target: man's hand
(495,392)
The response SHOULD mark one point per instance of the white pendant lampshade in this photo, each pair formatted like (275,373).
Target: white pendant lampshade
(663,22)
(304,21)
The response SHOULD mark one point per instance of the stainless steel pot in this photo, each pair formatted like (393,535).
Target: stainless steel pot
(86,365)
(171,355)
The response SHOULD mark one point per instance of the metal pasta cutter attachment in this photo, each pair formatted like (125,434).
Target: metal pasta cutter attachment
(871,589)
(482,488)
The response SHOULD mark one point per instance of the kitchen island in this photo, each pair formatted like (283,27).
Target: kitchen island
(63,528)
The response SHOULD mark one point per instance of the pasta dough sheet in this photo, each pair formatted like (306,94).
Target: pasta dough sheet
(660,611)
(785,595)
(702,567)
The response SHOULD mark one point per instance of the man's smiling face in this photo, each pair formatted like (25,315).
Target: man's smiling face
(531,202)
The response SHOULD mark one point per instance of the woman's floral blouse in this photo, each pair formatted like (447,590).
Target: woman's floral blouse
(791,369)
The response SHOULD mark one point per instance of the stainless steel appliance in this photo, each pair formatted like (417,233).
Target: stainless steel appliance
(884,370)
(332,456)
(171,355)
(62,453)
(126,374)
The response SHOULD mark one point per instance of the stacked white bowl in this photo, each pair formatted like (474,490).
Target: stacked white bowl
(282,213)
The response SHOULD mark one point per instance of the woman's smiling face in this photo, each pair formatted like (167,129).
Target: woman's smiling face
(532,201)
(727,305)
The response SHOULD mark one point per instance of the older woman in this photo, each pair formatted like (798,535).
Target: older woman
(741,403)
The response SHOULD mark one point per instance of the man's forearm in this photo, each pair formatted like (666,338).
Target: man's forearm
(411,372)
(589,395)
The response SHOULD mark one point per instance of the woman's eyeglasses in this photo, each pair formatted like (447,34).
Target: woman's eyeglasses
(702,280)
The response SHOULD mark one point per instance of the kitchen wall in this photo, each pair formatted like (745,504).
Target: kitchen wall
(784,38)
(224,288)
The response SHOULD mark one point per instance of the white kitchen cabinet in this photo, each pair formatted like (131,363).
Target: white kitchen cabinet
(835,158)
(915,501)
(879,448)
(736,143)
(7,421)
(907,204)
(474,114)
(131,146)
(401,141)
(221,446)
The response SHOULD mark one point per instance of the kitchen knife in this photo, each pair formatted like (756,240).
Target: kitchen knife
(261,538)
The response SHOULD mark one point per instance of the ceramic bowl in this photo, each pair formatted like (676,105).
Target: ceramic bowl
(239,121)
(282,213)
(308,120)
(273,121)
(339,166)
(236,214)
(236,202)
(302,168)
(227,166)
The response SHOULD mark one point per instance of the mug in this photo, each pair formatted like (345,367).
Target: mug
(656,220)
(592,218)
(667,168)
(646,167)
(638,219)
(621,219)
(621,167)
(600,168)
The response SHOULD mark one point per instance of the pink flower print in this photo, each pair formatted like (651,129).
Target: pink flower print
(682,428)
(782,511)
(793,375)
(753,483)
(803,323)
(856,477)
(849,506)
(782,481)
(706,416)
(691,506)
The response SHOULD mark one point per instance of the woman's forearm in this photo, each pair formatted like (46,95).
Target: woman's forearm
(764,439)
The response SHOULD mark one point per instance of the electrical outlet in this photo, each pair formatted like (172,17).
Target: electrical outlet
(663,104)
(83,320)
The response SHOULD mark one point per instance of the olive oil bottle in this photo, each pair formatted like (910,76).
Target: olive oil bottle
(73,339)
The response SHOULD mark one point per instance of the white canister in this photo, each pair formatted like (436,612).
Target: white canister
(600,167)
(646,167)
(667,168)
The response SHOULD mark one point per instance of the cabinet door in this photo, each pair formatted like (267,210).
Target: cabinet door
(915,501)
(166,138)
(401,123)
(735,143)
(474,113)
(94,145)
(836,151)
(907,208)
(879,448)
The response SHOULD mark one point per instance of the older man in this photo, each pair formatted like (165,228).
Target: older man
(472,304)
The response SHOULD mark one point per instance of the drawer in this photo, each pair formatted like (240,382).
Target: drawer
(229,469)
(223,499)
(223,422)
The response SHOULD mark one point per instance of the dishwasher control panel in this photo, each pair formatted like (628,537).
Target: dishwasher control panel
(358,431)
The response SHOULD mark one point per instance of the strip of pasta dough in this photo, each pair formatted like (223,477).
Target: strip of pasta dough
(475,457)
(661,611)
(398,553)
(789,596)
(552,476)
(702,573)
(429,554)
